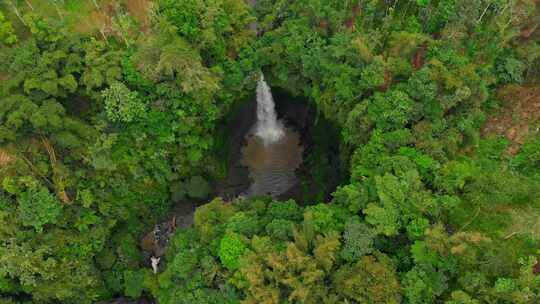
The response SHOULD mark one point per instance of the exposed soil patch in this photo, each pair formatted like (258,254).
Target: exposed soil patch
(155,242)
(95,21)
(140,11)
(5,158)
(517,117)
(524,221)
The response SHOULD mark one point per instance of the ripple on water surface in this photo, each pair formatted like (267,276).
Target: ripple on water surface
(272,166)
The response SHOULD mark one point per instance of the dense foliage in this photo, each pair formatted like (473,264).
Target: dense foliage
(111,111)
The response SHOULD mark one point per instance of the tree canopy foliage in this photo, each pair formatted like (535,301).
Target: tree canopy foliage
(111,111)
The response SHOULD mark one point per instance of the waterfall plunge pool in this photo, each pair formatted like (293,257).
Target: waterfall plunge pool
(304,164)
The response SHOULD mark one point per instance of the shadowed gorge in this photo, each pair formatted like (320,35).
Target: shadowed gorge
(256,168)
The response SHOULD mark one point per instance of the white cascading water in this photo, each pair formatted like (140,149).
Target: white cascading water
(268,127)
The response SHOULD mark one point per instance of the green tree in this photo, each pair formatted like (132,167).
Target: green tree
(121,104)
(357,240)
(371,280)
(354,197)
(133,283)
(460,297)
(38,207)
(279,229)
(231,248)
(424,285)
(510,70)
(102,66)
(7,33)
(168,57)
(244,223)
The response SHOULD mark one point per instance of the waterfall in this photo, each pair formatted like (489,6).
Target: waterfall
(268,128)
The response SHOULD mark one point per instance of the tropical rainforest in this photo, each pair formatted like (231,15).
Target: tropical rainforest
(110,110)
